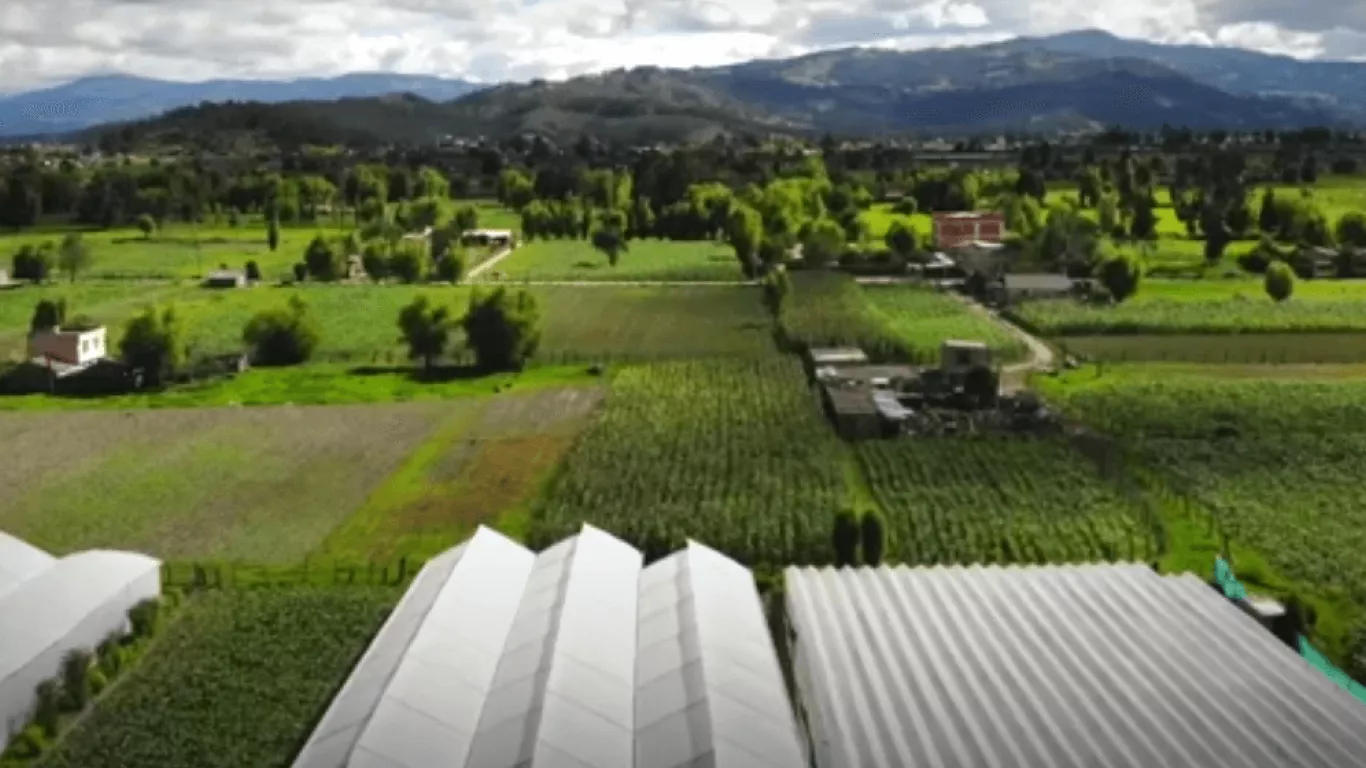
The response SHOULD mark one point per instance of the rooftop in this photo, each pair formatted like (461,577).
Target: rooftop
(1055,667)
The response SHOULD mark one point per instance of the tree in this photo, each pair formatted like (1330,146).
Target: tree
(253,271)
(321,259)
(845,538)
(901,240)
(503,329)
(300,271)
(282,336)
(873,535)
(1279,281)
(32,262)
(466,217)
(1268,220)
(1351,229)
(451,267)
(426,329)
(611,242)
(822,242)
(73,256)
(147,225)
(745,233)
(48,314)
(273,230)
(1144,222)
(777,287)
(408,264)
(152,343)
(1120,274)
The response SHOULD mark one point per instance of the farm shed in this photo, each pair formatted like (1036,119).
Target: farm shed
(74,346)
(852,411)
(1052,667)
(577,656)
(225,278)
(499,237)
(819,357)
(72,603)
(1036,286)
(879,375)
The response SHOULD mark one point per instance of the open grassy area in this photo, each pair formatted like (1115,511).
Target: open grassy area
(1243,348)
(1208,307)
(102,301)
(557,260)
(239,679)
(880,216)
(830,309)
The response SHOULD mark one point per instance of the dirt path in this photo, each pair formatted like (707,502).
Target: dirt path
(486,264)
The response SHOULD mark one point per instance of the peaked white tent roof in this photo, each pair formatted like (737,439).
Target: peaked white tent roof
(20,561)
(576,657)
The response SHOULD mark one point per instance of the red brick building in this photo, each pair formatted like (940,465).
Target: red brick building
(959,228)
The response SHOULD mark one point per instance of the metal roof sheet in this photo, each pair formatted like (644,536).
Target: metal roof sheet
(1054,667)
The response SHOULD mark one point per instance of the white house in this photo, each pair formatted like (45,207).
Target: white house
(72,346)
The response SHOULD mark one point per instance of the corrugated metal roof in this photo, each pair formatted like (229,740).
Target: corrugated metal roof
(20,561)
(498,657)
(1052,667)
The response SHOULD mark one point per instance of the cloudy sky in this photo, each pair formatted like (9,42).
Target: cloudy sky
(47,41)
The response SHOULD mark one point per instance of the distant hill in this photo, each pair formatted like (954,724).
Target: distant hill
(107,99)
(1076,81)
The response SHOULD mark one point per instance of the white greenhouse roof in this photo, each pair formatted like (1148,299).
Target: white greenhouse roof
(20,561)
(577,657)
(1054,667)
(52,603)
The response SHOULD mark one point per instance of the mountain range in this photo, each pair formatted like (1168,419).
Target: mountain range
(1075,81)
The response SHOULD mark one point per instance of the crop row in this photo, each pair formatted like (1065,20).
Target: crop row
(1065,317)
(237,680)
(735,454)
(1001,501)
(900,322)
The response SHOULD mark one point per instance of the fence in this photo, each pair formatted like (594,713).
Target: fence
(318,573)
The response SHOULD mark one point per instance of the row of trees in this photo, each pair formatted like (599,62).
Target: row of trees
(35,263)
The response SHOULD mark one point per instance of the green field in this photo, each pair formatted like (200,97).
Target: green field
(1243,348)
(102,301)
(1271,463)
(238,679)
(910,322)
(646,260)
(1207,307)
(735,454)
(880,216)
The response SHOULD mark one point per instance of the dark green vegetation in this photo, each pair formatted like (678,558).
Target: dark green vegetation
(733,453)
(1270,464)
(902,322)
(237,680)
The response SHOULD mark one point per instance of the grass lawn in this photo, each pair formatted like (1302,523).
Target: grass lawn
(646,260)
(260,484)
(1208,307)
(239,678)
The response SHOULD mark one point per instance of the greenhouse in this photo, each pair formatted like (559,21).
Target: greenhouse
(578,656)
(1052,667)
(20,561)
(58,606)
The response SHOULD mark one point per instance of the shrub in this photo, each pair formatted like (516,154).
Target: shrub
(1280,281)
(874,538)
(1120,275)
(425,329)
(845,538)
(147,225)
(30,743)
(152,343)
(283,336)
(253,271)
(76,678)
(906,206)
(98,681)
(322,260)
(451,267)
(407,264)
(33,263)
(47,711)
(48,313)
(108,654)
(300,271)
(145,617)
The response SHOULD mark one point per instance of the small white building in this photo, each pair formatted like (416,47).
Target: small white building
(501,237)
(225,278)
(68,345)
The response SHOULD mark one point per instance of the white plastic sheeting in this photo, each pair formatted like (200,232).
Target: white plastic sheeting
(20,561)
(1053,667)
(75,603)
(543,662)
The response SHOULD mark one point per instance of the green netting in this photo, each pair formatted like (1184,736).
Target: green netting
(1223,576)
(1312,655)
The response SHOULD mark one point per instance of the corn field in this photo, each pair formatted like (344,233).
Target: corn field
(1065,317)
(1001,500)
(735,454)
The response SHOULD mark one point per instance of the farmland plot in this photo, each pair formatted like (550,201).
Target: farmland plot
(1000,500)
(238,679)
(734,453)
(646,260)
(260,484)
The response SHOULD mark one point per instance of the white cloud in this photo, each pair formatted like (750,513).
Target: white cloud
(43,41)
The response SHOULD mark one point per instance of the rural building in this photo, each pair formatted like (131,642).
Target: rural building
(1050,666)
(1017,288)
(498,237)
(953,229)
(867,375)
(852,411)
(821,357)
(1317,261)
(355,267)
(73,346)
(577,656)
(4,279)
(52,606)
(225,278)
(988,259)
(956,358)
